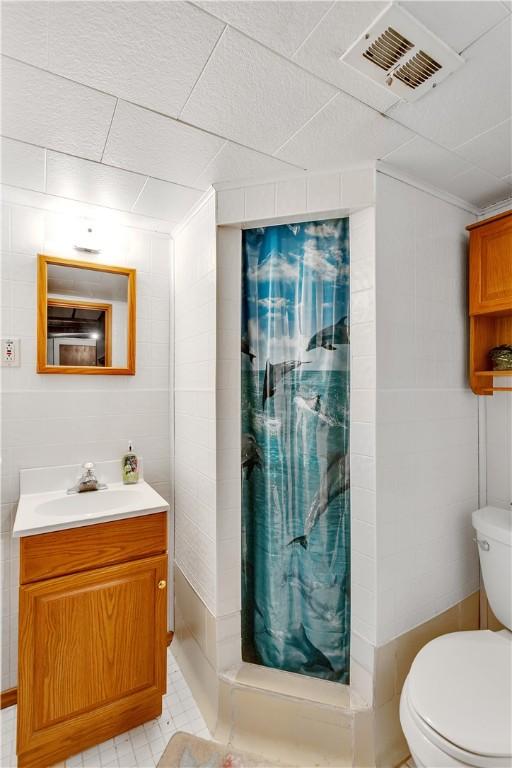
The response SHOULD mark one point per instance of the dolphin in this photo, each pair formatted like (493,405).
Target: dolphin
(252,455)
(246,348)
(274,374)
(331,335)
(335,481)
(313,404)
(301,654)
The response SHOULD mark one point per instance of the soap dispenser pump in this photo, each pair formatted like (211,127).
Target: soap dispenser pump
(130,466)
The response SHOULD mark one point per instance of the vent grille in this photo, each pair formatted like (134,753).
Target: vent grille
(387,49)
(417,70)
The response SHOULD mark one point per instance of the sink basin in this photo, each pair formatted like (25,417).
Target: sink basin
(88,503)
(57,510)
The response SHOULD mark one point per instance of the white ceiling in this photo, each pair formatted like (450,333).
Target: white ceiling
(140,106)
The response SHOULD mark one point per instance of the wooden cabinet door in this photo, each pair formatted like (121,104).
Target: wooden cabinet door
(92,657)
(491,266)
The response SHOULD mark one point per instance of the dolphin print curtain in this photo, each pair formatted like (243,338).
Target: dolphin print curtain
(295,448)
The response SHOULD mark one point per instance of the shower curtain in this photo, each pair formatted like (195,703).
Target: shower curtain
(295,448)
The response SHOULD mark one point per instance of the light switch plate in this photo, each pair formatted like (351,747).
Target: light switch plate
(10,357)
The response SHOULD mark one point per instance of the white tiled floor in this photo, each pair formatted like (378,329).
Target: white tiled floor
(140,748)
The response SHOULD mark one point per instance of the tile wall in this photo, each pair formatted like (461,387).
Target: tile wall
(195,281)
(498,465)
(51,420)
(497,417)
(427,418)
(316,194)
(362,449)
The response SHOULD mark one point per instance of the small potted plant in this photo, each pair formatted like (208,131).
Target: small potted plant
(501,357)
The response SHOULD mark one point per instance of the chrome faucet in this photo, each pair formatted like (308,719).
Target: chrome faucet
(88,481)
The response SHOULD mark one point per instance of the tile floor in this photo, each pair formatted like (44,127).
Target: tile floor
(141,747)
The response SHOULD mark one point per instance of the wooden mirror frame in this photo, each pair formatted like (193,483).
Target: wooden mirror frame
(42,317)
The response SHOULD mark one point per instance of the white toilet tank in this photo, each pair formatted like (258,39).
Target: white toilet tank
(494,536)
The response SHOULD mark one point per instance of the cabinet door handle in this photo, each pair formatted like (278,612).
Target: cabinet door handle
(162,584)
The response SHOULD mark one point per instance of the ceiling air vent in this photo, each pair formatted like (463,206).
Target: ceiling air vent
(388,49)
(402,55)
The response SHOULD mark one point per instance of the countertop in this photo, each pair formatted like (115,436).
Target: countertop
(55,510)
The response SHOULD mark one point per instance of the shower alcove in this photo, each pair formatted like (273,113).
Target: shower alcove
(282,711)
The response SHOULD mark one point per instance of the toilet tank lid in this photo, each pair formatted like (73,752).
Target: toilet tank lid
(495,523)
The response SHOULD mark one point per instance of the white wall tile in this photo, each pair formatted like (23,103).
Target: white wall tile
(230,206)
(324,192)
(260,202)
(290,196)
(194,365)
(54,420)
(498,412)
(427,438)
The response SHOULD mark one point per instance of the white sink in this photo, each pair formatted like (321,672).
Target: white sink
(88,503)
(56,510)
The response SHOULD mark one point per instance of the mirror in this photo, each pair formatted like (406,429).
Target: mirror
(86,317)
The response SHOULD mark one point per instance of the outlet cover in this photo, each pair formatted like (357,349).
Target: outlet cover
(10,353)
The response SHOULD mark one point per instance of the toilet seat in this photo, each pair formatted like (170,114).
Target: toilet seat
(458,697)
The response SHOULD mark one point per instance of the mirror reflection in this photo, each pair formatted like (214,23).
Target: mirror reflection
(87,313)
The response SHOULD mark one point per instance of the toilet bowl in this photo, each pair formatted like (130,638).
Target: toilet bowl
(455,707)
(456,703)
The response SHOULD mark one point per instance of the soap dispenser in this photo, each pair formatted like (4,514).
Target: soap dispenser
(130,466)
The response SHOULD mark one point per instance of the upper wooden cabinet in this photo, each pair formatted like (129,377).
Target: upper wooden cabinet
(490,265)
(490,300)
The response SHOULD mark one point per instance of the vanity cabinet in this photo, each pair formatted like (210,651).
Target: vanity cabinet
(490,299)
(92,637)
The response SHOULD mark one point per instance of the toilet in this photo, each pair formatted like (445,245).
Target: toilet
(456,703)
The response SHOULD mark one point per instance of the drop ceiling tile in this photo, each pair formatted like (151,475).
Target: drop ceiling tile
(44,109)
(25,31)
(142,141)
(282,26)
(321,52)
(345,134)
(458,23)
(253,96)
(480,188)
(163,200)
(89,182)
(22,165)
(472,100)
(426,161)
(236,163)
(148,52)
(492,150)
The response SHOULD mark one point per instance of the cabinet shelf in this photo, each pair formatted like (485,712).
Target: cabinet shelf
(490,299)
(492,374)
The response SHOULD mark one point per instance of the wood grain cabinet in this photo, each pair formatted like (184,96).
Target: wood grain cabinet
(490,298)
(92,640)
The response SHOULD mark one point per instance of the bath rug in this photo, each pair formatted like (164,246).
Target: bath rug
(187,751)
